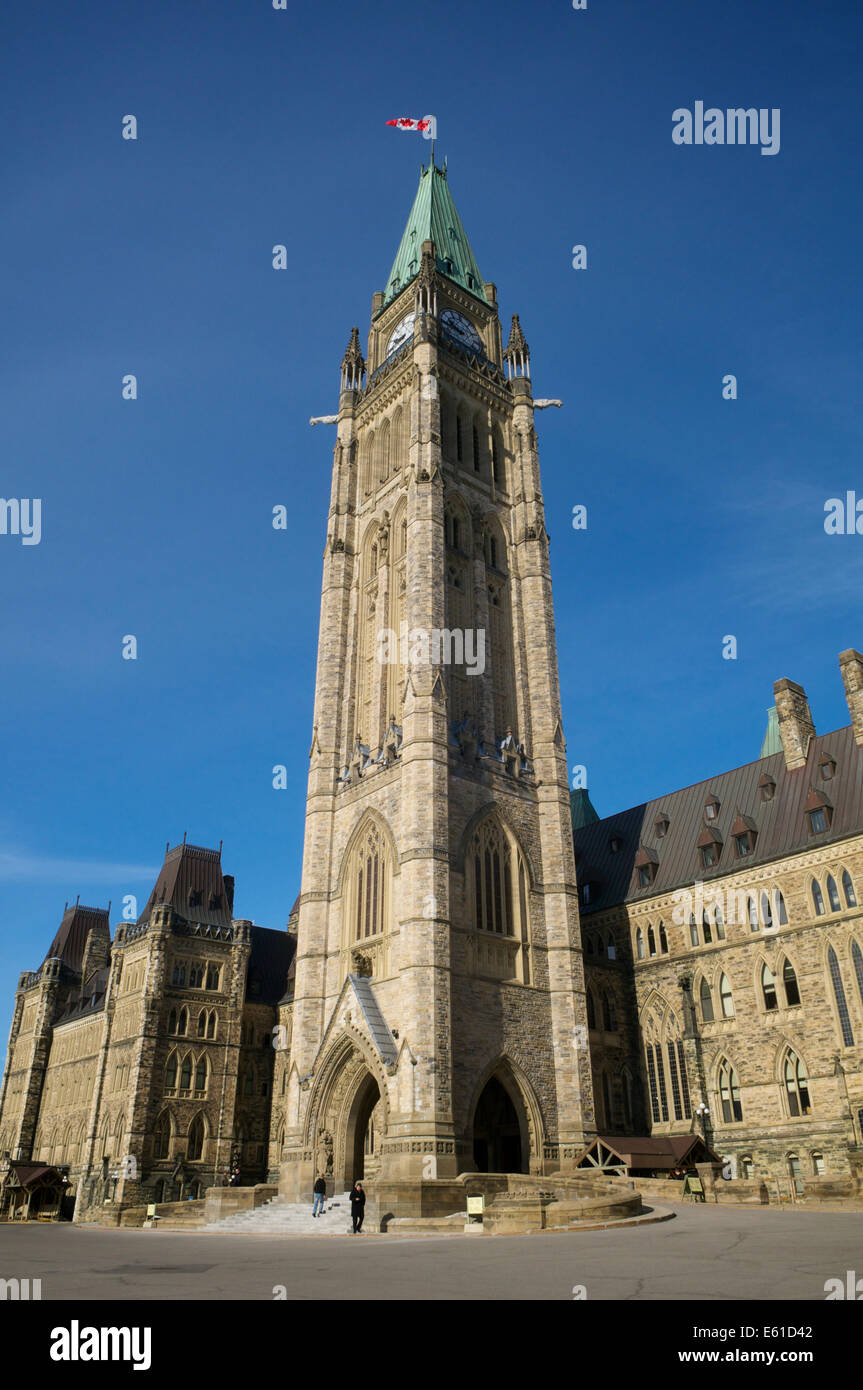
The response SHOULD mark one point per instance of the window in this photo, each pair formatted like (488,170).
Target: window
(639,944)
(767,788)
(706,1002)
(499,883)
(201,1077)
(857,958)
(458,443)
(172,1021)
(661,825)
(644,876)
(726,997)
(766,914)
(186,1074)
(796,1085)
(752,912)
(743,844)
(818,820)
(711,808)
(202,1023)
(729,1094)
(768,988)
(651,942)
(746,1167)
(848,889)
(663,939)
(211,1024)
(781,911)
(818,1165)
(708,856)
(213,973)
(706,927)
(611,949)
(789,984)
(179,975)
(827,768)
(196,976)
(162,1136)
(609,1013)
(591,1010)
(680,1111)
(614,844)
(195,897)
(833,894)
(195,1146)
(817,898)
(693,930)
(183,1024)
(475,449)
(720,923)
(656,1084)
(171,1074)
(370,884)
(841,1001)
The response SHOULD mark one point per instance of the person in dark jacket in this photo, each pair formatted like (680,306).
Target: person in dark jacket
(358,1204)
(319,1204)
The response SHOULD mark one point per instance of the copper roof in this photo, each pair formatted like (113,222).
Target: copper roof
(782,824)
(191,880)
(71,938)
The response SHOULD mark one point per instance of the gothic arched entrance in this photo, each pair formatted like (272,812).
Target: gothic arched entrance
(497,1131)
(360,1156)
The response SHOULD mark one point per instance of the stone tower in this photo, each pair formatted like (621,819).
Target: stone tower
(437,1022)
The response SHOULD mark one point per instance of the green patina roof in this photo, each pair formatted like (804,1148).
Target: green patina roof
(581,808)
(434,218)
(772,739)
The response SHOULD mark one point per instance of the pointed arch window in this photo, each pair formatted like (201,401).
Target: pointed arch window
(790,985)
(609,1013)
(663,939)
(171,1074)
(817,898)
(651,941)
(833,894)
(706,927)
(693,930)
(639,943)
(780,910)
(211,1024)
(476,457)
(766,914)
(201,1077)
(213,975)
(202,1024)
(656,1084)
(706,1002)
(720,923)
(371,881)
(752,910)
(857,959)
(197,1134)
(725,997)
(729,1094)
(172,1021)
(183,1023)
(497,908)
(186,1074)
(162,1136)
(848,889)
(768,988)
(841,1001)
(796,1085)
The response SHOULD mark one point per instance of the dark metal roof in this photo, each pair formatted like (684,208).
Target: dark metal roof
(91,1000)
(191,881)
(782,823)
(78,921)
(654,1151)
(270,959)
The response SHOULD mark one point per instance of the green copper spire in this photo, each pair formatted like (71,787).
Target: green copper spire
(772,738)
(434,218)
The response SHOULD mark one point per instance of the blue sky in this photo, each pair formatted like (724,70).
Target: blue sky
(259,127)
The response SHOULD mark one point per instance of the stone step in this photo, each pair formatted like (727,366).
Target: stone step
(280,1217)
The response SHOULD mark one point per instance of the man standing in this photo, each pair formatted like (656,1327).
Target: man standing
(319,1204)
(358,1203)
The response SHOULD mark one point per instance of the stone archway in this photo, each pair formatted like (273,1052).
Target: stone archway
(500,1130)
(347,1095)
(360,1131)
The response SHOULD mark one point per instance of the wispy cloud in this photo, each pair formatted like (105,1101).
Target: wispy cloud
(22,867)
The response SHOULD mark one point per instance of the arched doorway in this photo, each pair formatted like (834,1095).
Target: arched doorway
(360,1153)
(497,1132)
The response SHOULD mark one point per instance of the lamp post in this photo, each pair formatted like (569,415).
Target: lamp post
(702,1115)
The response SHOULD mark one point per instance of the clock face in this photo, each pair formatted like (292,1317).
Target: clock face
(400,334)
(460,330)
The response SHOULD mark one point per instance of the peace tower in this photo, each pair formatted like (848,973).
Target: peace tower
(437,1021)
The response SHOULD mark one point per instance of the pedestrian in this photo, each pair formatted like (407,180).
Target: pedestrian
(319,1204)
(358,1203)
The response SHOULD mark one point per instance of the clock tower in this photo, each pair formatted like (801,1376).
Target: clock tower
(437,1021)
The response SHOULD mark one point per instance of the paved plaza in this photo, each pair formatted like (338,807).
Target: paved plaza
(713,1253)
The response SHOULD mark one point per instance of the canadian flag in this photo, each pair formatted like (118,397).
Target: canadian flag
(428,125)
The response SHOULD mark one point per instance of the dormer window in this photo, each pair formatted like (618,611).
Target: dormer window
(711,808)
(614,844)
(646,864)
(661,825)
(766,788)
(709,845)
(827,768)
(744,833)
(215,900)
(819,809)
(195,897)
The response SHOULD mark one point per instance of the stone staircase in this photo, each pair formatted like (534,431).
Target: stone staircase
(282,1218)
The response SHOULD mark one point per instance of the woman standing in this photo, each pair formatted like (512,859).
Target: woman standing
(358,1203)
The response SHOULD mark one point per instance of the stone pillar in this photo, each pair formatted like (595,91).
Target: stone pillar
(796,728)
(851,666)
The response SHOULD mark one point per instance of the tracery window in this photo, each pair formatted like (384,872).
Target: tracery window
(371,884)
(796,1085)
(729,1093)
(841,1001)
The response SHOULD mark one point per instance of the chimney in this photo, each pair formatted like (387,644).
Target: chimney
(795,722)
(851,666)
(228,880)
